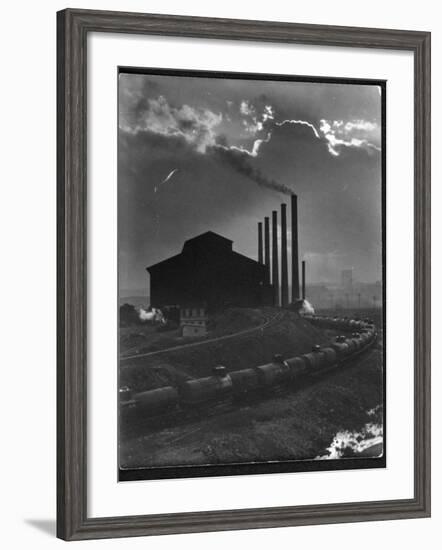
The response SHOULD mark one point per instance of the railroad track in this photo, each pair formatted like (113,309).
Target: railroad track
(270,321)
(184,417)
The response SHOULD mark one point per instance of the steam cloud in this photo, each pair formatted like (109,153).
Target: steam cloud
(153,316)
(306,308)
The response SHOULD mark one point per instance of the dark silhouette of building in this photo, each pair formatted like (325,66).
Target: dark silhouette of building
(209,271)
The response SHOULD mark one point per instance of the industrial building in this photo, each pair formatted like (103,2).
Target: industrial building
(209,271)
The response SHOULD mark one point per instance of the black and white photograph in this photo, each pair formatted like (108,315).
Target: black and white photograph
(251,258)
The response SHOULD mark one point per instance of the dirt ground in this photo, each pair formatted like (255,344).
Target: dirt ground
(284,333)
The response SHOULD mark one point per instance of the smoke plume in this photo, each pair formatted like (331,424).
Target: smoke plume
(239,162)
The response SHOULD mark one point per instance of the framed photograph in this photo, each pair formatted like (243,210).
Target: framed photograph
(243,274)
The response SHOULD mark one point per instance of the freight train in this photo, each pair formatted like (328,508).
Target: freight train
(224,386)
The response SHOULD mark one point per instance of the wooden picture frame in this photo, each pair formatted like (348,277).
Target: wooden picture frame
(73,27)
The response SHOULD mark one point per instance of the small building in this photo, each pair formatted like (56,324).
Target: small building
(193,321)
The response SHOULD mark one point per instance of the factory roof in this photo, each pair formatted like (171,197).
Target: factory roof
(208,241)
(208,238)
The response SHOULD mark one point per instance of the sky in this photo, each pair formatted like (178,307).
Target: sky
(198,154)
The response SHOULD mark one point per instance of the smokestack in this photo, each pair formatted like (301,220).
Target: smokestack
(260,258)
(303,280)
(275,275)
(284,267)
(295,259)
(267,247)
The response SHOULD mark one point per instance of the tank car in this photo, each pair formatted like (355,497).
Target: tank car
(297,367)
(330,356)
(156,401)
(211,388)
(275,373)
(245,381)
(314,360)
